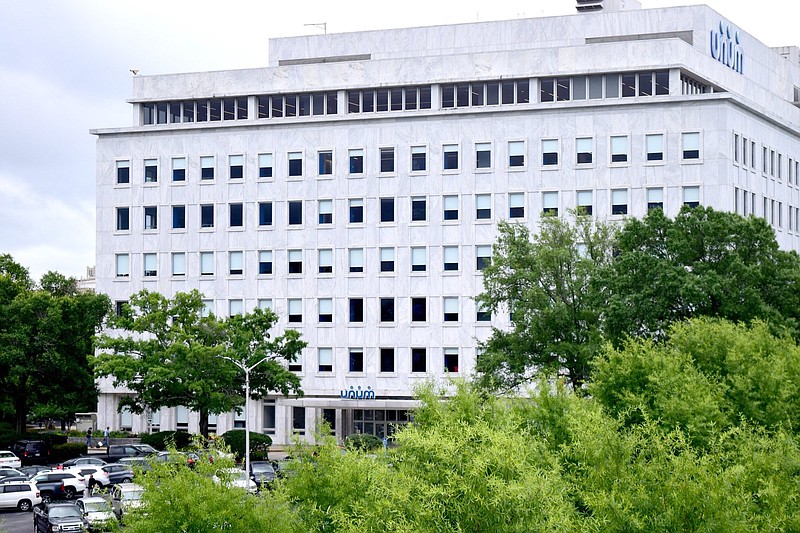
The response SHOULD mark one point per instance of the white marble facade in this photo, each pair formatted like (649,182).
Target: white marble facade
(757,105)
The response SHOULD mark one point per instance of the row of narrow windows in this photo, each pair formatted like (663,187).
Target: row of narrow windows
(773,162)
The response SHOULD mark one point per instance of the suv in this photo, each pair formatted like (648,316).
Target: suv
(22,495)
(56,485)
(117,451)
(125,497)
(31,452)
(57,517)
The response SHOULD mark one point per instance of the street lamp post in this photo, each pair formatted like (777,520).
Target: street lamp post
(246,369)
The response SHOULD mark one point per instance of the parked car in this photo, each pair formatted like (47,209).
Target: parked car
(7,458)
(11,479)
(117,451)
(97,513)
(118,473)
(187,458)
(92,475)
(56,484)
(80,461)
(31,452)
(22,495)
(125,497)
(59,516)
(32,470)
(263,473)
(9,472)
(235,477)
(135,462)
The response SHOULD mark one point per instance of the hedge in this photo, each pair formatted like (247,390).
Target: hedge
(363,441)
(61,452)
(259,444)
(167,439)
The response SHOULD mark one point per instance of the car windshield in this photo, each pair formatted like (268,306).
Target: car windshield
(66,511)
(97,507)
(263,469)
(132,495)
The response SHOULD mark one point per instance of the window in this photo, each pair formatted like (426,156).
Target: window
(387,160)
(450,207)
(119,307)
(483,206)
(151,217)
(295,163)
(265,213)
(387,359)
(764,159)
(294,308)
(387,309)
(236,167)
(419,360)
(265,262)
(264,165)
(483,256)
(450,157)
(450,254)
(325,358)
(236,215)
(356,259)
(356,309)
(481,313)
(298,419)
(150,265)
(325,215)
(584,201)
(451,360)
(654,144)
(178,264)
(325,163)
(206,263)
(418,310)
(178,169)
(207,216)
(619,201)
(419,261)
(745,148)
(236,263)
(483,155)
(691,196)
(691,146)
(325,264)
(655,198)
(325,309)
(295,261)
(549,152)
(207,168)
(550,203)
(387,259)
(583,151)
(269,417)
(356,360)
(419,209)
(295,212)
(123,172)
(235,307)
(356,157)
(387,209)
(123,265)
(450,307)
(516,154)
(150,170)
(516,205)
(356,208)
(619,149)
(418,158)
(123,219)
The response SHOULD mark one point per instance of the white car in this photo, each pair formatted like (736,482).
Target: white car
(235,477)
(22,495)
(88,472)
(97,512)
(10,460)
(126,496)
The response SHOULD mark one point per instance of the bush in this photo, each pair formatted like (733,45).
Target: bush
(7,438)
(168,439)
(363,442)
(259,444)
(61,452)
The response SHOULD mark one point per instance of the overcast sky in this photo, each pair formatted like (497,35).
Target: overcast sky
(65,68)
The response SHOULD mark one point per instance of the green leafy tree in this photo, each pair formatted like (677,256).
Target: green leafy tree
(545,280)
(167,352)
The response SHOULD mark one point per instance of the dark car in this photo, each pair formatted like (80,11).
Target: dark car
(118,473)
(80,461)
(31,452)
(58,485)
(9,472)
(263,473)
(12,479)
(58,517)
(32,470)
(117,451)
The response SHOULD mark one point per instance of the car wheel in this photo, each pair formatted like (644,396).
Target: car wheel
(69,493)
(47,497)
(24,506)
(126,480)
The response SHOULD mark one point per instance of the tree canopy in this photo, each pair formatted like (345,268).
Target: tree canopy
(167,351)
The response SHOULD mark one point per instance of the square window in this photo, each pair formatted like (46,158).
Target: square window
(236,167)
(387,309)
(450,204)
(123,219)
(451,360)
(419,209)
(325,215)
(583,151)
(691,148)
(654,144)
(325,163)
(295,163)
(418,159)
(655,198)
(619,148)
(356,360)
(264,165)
(294,308)
(295,212)
(123,265)
(419,360)
(483,206)
(387,160)
(123,172)
(178,264)
(295,258)
(550,152)
(516,205)
(584,202)
(356,157)
(325,360)
(236,263)
(325,308)
(691,196)
(516,153)
(150,170)
(236,215)
(356,260)
(387,359)
(265,262)
(619,201)
(178,169)
(483,256)
(207,216)
(387,209)
(450,305)
(178,217)
(206,263)
(325,261)
(550,203)
(419,311)
(356,309)
(387,259)
(150,217)
(150,265)
(265,213)
(483,155)
(356,211)
(450,254)
(450,157)
(207,168)
(419,261)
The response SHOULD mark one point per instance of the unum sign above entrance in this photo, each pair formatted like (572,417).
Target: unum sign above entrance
(359,394)
(725,47)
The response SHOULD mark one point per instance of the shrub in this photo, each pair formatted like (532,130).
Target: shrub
(259,444)
(363,442)
(61,452)
(166,439)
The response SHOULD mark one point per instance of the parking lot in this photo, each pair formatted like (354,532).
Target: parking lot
(16,522)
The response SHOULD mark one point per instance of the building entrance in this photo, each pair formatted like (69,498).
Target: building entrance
(379,422)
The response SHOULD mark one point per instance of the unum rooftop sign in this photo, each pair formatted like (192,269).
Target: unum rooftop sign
(725,47)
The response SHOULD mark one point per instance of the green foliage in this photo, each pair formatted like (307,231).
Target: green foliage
(363,442)
(61,452)
(259,444)
(162,440)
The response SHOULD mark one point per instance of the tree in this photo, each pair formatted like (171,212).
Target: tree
(545,280)
(167,352)
(45,339)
